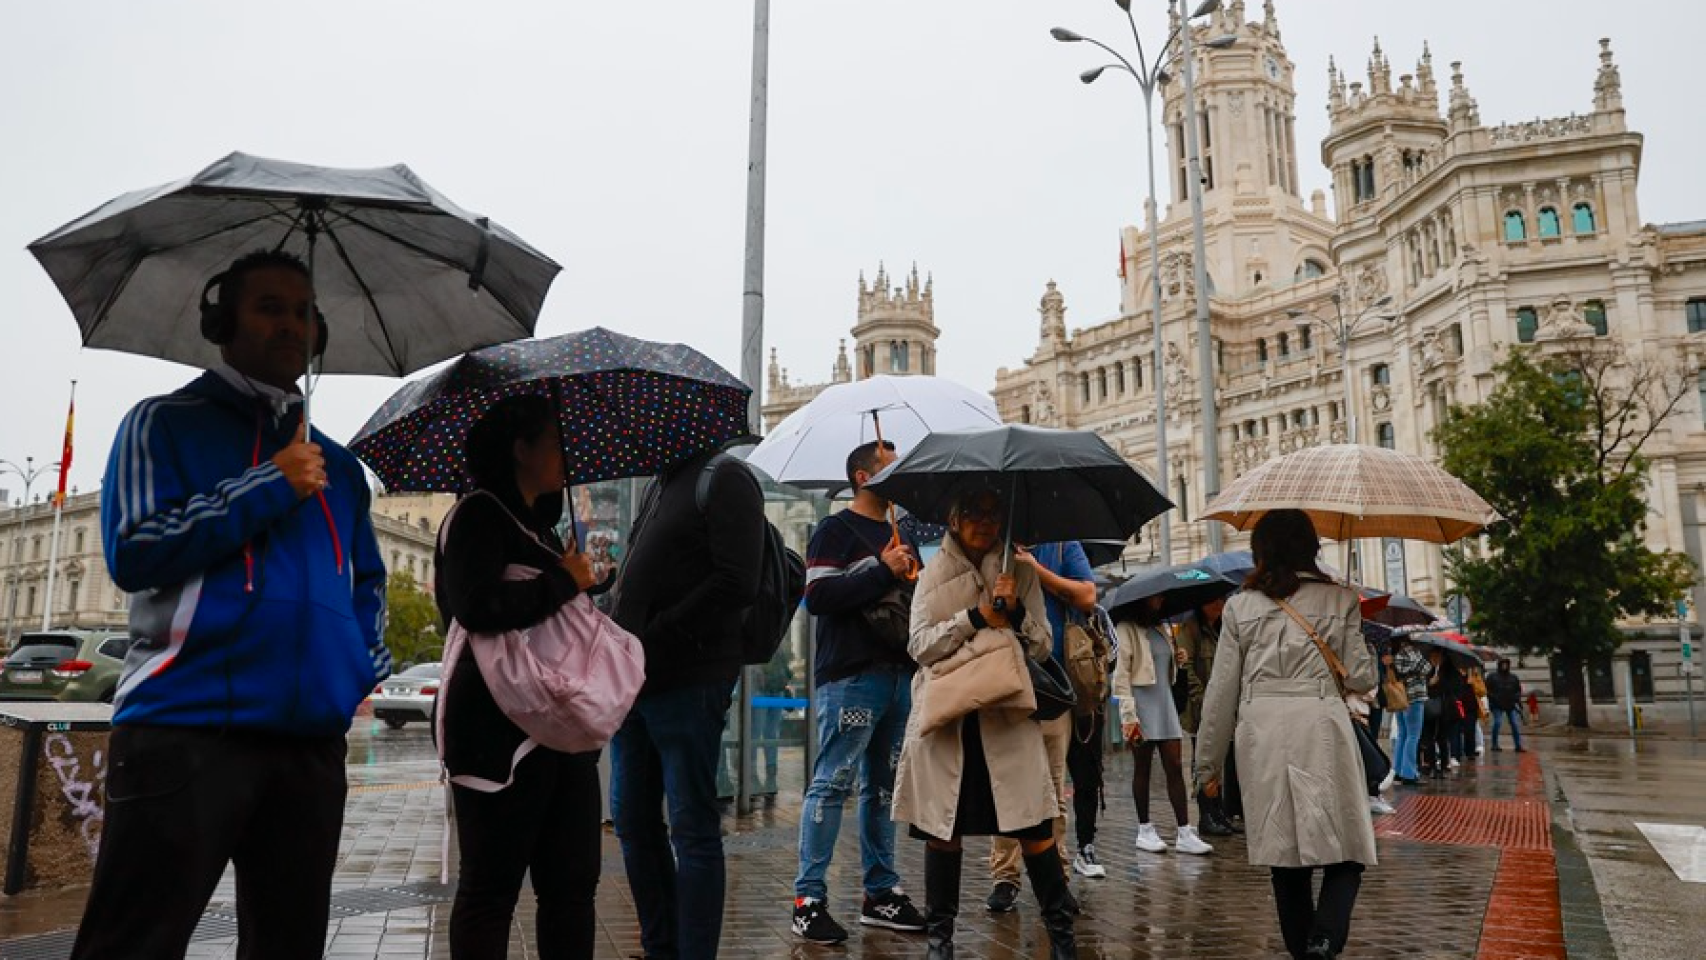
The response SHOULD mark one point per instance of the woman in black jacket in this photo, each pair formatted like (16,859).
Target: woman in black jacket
(531,808)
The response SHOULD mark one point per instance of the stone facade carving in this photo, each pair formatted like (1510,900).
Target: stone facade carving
(1538,129)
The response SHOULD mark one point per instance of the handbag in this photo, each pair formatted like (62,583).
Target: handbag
(568,681)
(890,618)
(1052,688)
(1376,765)
(1392,688)
(986,672)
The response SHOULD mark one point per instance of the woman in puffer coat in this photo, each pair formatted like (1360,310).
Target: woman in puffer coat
(986,773)
(1305,792)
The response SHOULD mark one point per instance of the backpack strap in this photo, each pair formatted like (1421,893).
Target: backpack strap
(702,488)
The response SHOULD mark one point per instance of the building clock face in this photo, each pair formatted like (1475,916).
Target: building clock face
(1273,68)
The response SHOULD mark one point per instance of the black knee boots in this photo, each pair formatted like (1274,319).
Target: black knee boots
(1048,881)
(941,900)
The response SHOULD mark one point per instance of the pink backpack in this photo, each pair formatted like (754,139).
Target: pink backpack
(567,682)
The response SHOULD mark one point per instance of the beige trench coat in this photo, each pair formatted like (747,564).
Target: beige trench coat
(1305,794)
(927,781)
(1135,667)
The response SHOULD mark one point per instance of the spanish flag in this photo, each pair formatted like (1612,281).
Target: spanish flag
(65,454)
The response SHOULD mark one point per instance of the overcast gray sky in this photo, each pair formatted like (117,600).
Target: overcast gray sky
(612,136)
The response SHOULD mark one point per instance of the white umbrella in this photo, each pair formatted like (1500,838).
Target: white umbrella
(809,449)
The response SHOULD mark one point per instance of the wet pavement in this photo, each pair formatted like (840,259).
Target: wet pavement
(1469,868)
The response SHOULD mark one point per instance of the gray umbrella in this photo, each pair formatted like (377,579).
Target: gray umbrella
(404,277)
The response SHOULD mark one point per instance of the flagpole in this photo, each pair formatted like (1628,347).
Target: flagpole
(58,513)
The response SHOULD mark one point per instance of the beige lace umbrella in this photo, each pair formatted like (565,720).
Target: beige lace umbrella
(1352,491)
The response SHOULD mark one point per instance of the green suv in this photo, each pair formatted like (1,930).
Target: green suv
(66,665)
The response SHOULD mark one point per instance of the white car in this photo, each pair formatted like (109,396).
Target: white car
(410,695)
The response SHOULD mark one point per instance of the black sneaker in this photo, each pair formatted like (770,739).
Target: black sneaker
(1004,898)
(813,922)
(891,911)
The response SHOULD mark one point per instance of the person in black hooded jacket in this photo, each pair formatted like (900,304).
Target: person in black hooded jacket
(517,810)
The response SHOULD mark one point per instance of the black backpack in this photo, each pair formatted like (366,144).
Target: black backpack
(781,581)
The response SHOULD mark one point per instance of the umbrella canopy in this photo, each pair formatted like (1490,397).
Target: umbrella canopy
(626,408)
(1058,484)
(405,277)
(1182,589)
(809,449)
(1234,565)
(1353,491)
(1453,643)
(1100,553)
(1397,610)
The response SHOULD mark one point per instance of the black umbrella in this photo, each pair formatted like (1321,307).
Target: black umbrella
(1398,610)
(1182,589)
(626,408)
(1057,484)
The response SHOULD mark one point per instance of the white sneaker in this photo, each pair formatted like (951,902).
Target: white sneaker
(1453,765)
(1148,840)
(1188,842)
(1379,807)
(1086,865)
(1391,778)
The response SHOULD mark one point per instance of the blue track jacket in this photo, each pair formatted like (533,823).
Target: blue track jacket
(241,613)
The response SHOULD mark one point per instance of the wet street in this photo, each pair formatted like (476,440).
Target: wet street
(1519,855)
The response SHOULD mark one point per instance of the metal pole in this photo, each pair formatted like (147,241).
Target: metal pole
(752,303)
(1159,378)
(1687,664)
(52,567)
(1205,349)
(1629,693)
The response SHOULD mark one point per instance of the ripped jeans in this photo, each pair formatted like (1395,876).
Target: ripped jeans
(861,722)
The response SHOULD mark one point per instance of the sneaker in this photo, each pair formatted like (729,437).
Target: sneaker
(1004,898)
(813,922)
(1148,840)
(1086,864)
(1379,807)
(891,911)
(1386,784)
(1187,841)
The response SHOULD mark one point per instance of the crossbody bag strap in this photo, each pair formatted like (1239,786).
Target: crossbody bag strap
(1334,665)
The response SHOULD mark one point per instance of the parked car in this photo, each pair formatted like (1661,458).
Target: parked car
(410,695)
(71,666)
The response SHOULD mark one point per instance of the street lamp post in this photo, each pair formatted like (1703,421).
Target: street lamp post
(28,473)
(1149,76)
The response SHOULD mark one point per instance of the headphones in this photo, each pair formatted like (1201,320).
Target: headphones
(219,323)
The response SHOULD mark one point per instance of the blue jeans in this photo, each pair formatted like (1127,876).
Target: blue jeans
(1409,739)
(861,722)
(1516,728)
(666,754)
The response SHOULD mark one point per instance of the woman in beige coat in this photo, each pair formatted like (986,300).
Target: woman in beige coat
(1305,793)
(986,773)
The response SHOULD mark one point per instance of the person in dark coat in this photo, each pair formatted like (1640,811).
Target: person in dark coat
(521,808)
(1504,698)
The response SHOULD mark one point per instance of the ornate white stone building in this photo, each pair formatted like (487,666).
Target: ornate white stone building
(1484,236)
(895,334)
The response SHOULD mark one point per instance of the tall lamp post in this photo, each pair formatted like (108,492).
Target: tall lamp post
(1343,328)
(27,473)
(1149,75)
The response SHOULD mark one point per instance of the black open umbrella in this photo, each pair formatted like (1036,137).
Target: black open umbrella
(1182,589)
(1057,484)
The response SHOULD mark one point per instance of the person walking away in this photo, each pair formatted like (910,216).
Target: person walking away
(986,773)
(1412,670)
(1143,682)
(1197,638)
(1065,574)
(256,615)
(1298,755)
(1504,697)
(539,815)
(855,563)
(688,577)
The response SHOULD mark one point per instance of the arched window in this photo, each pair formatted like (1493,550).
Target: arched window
(1385,436)
(1583,219)
(1527,322)
(1137,373)
(1284,345)
(1311,269)
(1549,224)
(1025,413)
(1084,387)
(78,539)
(1516,228)
(35,547)
(1101,383)
(1261,351)
(1696,310)
(898,356)
(1594,313)
(1306,340)
(1380,374)
(1119,378)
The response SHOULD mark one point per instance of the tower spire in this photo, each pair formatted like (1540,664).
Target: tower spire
(1608,86)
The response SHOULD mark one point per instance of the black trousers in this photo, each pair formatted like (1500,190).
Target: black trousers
(1084,766)
(547,821)
(1303,917)
(182,802)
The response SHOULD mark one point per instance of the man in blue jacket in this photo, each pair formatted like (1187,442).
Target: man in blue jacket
(257,601)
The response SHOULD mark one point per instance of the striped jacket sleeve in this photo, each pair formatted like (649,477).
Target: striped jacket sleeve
(157,530)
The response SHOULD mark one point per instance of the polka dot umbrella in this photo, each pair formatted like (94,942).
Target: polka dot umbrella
(626,407)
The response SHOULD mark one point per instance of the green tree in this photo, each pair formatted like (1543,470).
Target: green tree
(1557,450)
(412,628)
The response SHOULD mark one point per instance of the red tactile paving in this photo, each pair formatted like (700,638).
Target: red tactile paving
(1471,822)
